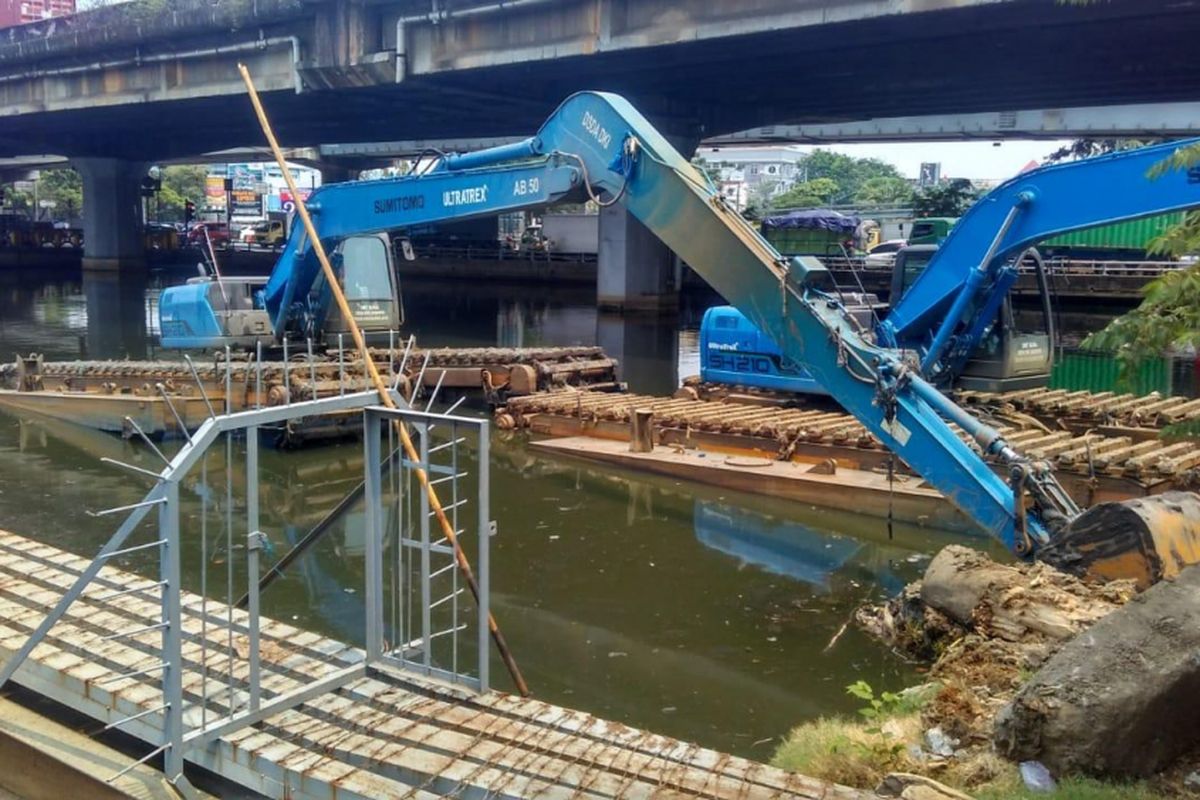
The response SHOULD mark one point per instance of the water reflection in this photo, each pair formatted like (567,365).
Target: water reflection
(786,547)
(117,311)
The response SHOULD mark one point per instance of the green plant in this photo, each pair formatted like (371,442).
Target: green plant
(878,708)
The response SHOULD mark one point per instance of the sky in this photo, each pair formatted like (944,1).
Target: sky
(973,160)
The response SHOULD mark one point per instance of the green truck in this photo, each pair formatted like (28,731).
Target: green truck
(1122,241)
(812,232)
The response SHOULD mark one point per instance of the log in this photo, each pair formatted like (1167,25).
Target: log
(1018,604)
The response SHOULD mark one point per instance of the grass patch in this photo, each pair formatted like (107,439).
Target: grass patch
(1068,789)
(845,751)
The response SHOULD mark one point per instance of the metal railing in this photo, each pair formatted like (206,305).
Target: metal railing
(215,649)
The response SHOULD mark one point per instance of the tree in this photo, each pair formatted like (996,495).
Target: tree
(64,186)
(1169,314)
(950,198)
(882,190)
(1089,148)
(848,172)
(180,184)
(814,192)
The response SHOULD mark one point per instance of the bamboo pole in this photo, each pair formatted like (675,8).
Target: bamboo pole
(385,396)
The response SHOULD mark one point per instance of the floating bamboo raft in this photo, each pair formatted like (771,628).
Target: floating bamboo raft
(1104,465)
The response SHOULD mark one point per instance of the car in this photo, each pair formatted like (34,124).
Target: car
(883,255)
(218,234)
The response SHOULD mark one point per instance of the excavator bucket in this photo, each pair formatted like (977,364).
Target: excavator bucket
(1148,539)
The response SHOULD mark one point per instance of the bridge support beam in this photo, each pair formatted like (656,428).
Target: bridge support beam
(635,271)
(335,173)
(112,213)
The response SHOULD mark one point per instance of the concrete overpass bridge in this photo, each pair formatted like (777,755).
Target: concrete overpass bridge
(154,81)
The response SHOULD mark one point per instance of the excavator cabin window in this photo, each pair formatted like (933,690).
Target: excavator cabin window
(365,269)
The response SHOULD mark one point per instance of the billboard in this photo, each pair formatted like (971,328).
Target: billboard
(246,203)
(286,204)
(214,191)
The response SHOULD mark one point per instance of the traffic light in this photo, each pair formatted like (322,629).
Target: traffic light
(189,212)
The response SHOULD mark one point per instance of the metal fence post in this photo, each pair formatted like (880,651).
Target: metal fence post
(172,640)
(373,496)
(485,530)
(254,544)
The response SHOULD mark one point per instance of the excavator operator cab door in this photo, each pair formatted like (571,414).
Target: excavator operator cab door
(1016,354)
(369,281)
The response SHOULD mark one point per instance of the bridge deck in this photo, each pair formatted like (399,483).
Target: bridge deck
(391,734)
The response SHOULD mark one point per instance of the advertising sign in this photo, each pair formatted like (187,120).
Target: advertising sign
(214,191)
(246,203)
(286,203)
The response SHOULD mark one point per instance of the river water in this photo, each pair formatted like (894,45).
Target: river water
(690,611)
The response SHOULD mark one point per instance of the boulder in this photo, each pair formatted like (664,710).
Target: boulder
(1122,698)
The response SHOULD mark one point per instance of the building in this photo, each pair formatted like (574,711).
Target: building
(742,172)
(19,12)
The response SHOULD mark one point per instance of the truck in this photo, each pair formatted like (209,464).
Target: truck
(1128,240)
(812,232)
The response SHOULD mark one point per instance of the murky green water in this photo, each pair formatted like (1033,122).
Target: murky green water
(690,611)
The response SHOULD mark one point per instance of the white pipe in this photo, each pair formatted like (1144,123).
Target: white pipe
(434,17)
(257,44)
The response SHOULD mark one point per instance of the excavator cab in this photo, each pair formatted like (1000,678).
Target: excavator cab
(368,274)
(1010,357)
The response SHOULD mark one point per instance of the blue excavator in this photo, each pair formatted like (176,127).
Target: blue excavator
(599,146)
(950,304)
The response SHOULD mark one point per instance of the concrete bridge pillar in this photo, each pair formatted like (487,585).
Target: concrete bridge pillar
(635,271)
(112,213)
(333,173)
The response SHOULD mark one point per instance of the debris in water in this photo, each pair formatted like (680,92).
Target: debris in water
(617,654)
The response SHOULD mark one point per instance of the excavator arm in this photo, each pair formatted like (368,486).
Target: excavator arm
(363,207)
(947,310)
(623,157)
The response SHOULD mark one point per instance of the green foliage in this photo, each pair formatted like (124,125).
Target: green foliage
(886,705)
(1169,316)
(814,192)
(877,708)
(1089,148)
(179,184)
(1068,789)
(850,174)
(65,188)
(947,199)
(882,190)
